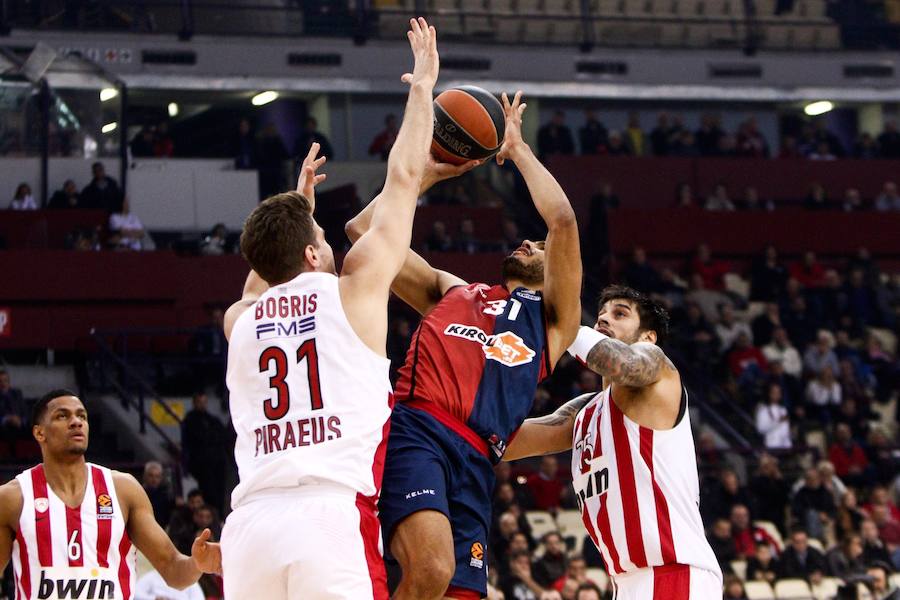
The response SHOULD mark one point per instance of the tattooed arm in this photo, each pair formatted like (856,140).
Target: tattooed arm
(636,365)
(548,434)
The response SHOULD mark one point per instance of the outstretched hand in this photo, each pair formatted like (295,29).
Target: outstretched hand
(435,171)
(207,555)
(423,41)
(512,139)
(308,179)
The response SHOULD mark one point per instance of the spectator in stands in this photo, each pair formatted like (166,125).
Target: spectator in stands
(307,137)
(722,543)
(13,412)
(879,496)
(588,591)
(617,145)
(816,198)
(764,326)
(660,136)
(640,274)
(214,243)
(709,134)
(746,361)
(791,389)
(634,135)
(552,566)
(67,197)
(734,588)
(822,152)
(555,138)
(821,355)
(769,491)
(545,485)
(882,587)
(593,135)
(823,395)
(718,200)
(889,199)
(204,441)
(504,539)
(271,157)
(245,151)
(862,303)
(685,145)
(821,134)
(465,238)
(852,200)
(880,451)
(746,535)
(729,327)
(889,141)
(846,560)
(711,269)
(102,192)
(126,230)
(809,272)
(763,565)
(752,202)
(799,560)
(866,147)
(849,516)
(888,527)
(23,198)
(511,238)
(684,196)
(724,494)
(158,492)
(773,421)
(789,148)
(181,524)
(798,321)
(768,277)
(874,549)
(439,240)
(383,142)
(163,145)
(750,142)
(142,143)
(520,584)
(813,505)
(696,336)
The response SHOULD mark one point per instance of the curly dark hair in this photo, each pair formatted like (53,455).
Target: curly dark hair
(652,315)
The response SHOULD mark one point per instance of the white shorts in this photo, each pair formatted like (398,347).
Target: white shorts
(314,542)
(670,582)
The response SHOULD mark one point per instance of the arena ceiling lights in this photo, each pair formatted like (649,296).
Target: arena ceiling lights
(264,98)
(821,107)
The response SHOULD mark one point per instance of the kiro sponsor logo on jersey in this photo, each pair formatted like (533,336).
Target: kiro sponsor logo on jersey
(78,584)
(506,348)
(277,437)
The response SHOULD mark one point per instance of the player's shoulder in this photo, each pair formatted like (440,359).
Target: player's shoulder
(127,487)
(11,501)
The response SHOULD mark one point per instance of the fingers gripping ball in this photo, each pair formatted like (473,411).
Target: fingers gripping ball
(468,125)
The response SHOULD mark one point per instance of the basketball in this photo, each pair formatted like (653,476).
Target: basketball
(468,125)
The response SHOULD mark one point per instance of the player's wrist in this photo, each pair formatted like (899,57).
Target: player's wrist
(518,151)
(584,342)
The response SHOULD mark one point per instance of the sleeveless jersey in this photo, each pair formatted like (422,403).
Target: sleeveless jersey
(475,361)
(638,489)
(310,402)
(64,552)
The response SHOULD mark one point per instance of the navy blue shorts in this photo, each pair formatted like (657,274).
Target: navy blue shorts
(430,467)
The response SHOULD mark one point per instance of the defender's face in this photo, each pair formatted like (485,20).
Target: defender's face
(64,428)
(619,319)
(325,252)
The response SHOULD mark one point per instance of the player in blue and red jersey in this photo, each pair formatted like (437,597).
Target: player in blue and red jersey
(468,384)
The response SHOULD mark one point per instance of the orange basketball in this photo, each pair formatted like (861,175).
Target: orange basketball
(468,125)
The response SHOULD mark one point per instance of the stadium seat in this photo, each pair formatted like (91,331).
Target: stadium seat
(690,9)
(828,37)
(541,523)
(562,8)
(803,37)
(606,8)
(672,35)
(469,7)
(565,31)
(792,589)
(826,589)
(719,9)
(769,528)
(740,568)
(529,7)
(502,7)
(637,8)
(886,337)
(759,590)
(599,577)
(765,8)
(480,25)
(816,439)
(448,24)
(510,29)
(736,284)
(776,37)
(570,524)
(895,579)
(814,543)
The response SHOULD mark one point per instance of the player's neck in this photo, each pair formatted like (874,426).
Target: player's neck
(514,284)
(67,477)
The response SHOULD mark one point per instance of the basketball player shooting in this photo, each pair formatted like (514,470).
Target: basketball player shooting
(469,381)
(308,376)
(71,527)
(634,468)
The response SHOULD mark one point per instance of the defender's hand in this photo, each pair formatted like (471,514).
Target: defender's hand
(308,179)
(423,41)
(207,555)
(512,139)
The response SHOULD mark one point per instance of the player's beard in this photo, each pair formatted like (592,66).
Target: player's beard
(531,275)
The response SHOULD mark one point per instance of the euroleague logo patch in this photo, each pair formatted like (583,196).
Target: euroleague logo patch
(506,348)
(104,507)
(477,552)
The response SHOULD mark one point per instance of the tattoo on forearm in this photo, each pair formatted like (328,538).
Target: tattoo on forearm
(634,366)
(564,413)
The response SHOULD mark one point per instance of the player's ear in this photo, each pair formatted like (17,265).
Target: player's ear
(648,336)
(311,256)
(38,432)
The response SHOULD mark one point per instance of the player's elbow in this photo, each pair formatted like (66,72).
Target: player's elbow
(562,218)
(402,175)
(353,229)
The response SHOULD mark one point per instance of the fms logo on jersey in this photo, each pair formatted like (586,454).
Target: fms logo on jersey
(506,348)
(282,329)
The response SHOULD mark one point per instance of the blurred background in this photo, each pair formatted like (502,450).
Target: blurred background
(738,159)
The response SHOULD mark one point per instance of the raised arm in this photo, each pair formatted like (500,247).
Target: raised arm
(376,258)
(418,283)
(178,571)
(635,365)
(548,434)
(562,260)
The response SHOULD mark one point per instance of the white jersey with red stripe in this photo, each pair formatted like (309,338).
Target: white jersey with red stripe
(310,402)
(638,490)
(64,552)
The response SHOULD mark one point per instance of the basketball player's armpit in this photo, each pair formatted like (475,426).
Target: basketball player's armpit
(564,414)
(548,434)
(634,365)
